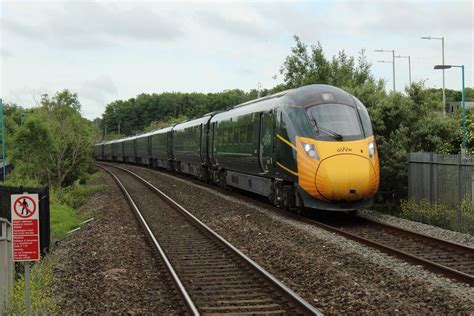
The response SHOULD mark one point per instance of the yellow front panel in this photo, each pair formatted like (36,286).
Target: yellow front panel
(343,172)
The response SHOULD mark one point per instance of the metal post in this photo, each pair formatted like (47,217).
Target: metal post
(464,127)
(409,70)
(6,263)
(3,141)
(27,288)
(393,57)
(393,62)
(409,66)
(444,93)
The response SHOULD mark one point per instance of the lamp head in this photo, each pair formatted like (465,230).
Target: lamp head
(442,66)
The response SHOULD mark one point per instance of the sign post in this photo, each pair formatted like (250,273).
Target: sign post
(25,236)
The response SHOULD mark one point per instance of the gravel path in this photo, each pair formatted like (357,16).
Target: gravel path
(331,272)
(108,266)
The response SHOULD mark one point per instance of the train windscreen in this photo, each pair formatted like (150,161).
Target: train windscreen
(337,121)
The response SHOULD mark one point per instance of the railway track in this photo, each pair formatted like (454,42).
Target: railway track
(448,258)
(211,276)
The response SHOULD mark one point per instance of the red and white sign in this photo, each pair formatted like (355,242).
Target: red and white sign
(25,224)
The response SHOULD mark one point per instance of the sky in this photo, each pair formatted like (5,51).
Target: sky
(109,50)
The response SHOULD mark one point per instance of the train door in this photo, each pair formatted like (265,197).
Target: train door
(266,140)
(212,146)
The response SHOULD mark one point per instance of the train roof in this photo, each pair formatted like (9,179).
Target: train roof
(317,94)
(162,130)
(191,123)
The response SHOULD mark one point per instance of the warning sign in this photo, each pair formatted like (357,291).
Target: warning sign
(25,224)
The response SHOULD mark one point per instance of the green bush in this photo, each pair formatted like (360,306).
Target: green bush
(438,214)
(467,213)
(74,195)
(41,291)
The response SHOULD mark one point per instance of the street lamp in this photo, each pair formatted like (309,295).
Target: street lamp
(442,53)
(409,66)
(464,127)
(393,62)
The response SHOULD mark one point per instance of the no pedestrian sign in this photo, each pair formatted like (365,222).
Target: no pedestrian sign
(25,222)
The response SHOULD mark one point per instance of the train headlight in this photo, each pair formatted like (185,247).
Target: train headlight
(371,149)
(310,150)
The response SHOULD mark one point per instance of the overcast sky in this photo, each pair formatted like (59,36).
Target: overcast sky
(108,50)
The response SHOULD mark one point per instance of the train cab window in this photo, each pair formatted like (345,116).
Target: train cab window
(336,121)
(365,119)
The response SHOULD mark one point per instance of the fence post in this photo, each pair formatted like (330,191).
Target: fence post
(6,263)
(461,194)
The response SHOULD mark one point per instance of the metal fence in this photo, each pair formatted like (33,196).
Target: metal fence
(446,179)
(6,263)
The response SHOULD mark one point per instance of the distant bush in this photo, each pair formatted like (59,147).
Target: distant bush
(438,214)
(74,195)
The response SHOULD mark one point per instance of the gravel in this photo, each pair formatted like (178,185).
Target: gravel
(418,227)
(108,265)
(334,274)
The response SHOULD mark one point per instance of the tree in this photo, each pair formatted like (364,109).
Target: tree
(54,144)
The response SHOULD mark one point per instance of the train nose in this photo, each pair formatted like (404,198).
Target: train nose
(346,178)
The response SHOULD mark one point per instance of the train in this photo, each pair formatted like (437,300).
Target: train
(311,147)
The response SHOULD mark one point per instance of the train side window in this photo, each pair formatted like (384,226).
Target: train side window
(231,135)
(226,135)
(249,133)
(236,134)
(243,135)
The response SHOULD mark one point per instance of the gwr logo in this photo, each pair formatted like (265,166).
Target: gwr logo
(344,150)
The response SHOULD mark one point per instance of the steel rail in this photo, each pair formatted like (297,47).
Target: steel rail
(294,298)
(430,265)
(185,297)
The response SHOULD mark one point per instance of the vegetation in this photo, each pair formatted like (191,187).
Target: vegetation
(53,145)
(437,214)
(41,291)
(50,145)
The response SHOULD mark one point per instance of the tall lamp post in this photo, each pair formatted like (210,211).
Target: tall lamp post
(3,141)
(464,125)
(393,62)
(442,54)
(409,66)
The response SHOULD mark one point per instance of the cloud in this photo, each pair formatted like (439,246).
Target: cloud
(98,90)
(89,24)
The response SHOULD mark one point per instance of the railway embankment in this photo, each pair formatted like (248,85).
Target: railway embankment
(332,273)
(107,266)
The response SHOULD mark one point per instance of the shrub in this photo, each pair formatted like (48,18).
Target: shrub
(438,214)
(41,291)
